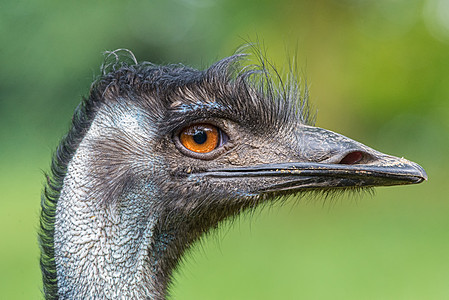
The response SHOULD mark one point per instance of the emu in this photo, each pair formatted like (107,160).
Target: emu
(157,156)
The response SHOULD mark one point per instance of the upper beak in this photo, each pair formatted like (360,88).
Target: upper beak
(328,160)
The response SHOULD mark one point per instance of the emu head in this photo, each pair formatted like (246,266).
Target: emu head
(158,155)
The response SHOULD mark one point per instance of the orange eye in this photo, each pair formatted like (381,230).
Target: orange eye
(200,138)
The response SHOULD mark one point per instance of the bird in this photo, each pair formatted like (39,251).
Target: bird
(158,155)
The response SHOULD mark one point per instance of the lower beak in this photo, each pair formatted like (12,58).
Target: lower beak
(293,176)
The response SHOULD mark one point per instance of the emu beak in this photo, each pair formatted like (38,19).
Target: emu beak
(328,160)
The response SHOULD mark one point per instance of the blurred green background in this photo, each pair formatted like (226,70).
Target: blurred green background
(378,72)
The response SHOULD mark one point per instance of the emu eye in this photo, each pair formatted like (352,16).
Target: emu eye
(201,138)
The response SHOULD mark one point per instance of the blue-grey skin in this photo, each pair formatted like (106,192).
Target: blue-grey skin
(127,199)
(100,250)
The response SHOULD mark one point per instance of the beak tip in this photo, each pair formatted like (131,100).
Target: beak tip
(424,175)
(419,172)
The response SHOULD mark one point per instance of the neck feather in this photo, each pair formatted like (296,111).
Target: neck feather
(102,249)
(111,243)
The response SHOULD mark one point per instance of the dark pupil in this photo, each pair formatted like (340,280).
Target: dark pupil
(200,137)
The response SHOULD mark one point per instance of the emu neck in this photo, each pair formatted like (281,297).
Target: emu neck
(108,245)
(103,251)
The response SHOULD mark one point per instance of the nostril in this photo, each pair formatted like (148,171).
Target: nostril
(352,158)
